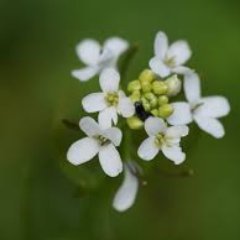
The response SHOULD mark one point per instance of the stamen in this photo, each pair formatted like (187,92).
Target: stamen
(112,98)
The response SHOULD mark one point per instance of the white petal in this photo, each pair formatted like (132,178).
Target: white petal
(182,70)
(181,114)
(158,67)
(110,160)
(108,117)
(116,45)
(174,153)
(148,149)
(114,135)
(89,126)
(177,131)
(210,125)
(126,107)
(82,151)
(160,45)
(85,74)
(126,194)
(89,51)
(109,80)
(180,52)
(94,102)
(154,125)
(214,107)
(192,88)
(106,59)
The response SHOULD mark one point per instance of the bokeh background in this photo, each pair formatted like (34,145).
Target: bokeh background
(41,196)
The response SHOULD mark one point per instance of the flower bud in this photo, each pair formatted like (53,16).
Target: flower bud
(159,87)
(174,85)
(134,86)
(152,99)
(134,123)
(154,112)
(146,76)
(163,100)
(146,87)
(165,110)
(135,96)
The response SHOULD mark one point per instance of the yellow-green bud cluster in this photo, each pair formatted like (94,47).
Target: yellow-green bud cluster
(152,93)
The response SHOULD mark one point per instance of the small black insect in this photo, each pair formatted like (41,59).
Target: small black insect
(140,111)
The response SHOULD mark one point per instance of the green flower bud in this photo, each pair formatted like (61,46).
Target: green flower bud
(135,96)
(154,112)
(146,87)
(159,87)
(174,85)
(163,100)
(165,111)
(133,86)
(146,104)
(152,99)
(134,123)
(147,76)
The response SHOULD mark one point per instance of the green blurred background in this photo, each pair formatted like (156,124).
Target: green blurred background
(42,196)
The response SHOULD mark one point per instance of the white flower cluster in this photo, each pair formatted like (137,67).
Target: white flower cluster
(147,107)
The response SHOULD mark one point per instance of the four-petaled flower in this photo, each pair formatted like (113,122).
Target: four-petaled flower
(169,59)
(205,111)
(153,98)
(98,141)
(111,101)
(162,138)
(98,58)
(127,192)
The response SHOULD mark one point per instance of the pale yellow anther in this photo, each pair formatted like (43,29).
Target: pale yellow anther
(165,110)
(159,87)
(146,76)
(159,140)
(112,98)
(134,86)
(134,123)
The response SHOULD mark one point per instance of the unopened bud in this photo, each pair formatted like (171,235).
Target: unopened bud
(154,112)
(146,76)
(135,96)
(159,87)
(146,87)
(152,99)
(134,86)
(174,85)
(134,123)
(165,110)
(162,100)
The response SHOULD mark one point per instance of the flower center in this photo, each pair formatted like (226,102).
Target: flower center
(159,139)
(170,61)
(102,140)
(112,98)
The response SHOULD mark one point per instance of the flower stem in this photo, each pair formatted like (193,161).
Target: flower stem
(127,58)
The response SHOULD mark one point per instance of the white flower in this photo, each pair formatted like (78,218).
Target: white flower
(127,192)
(98,141)
(111,101)
(205,111)
(98,58)
(169,59)
(162,138)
